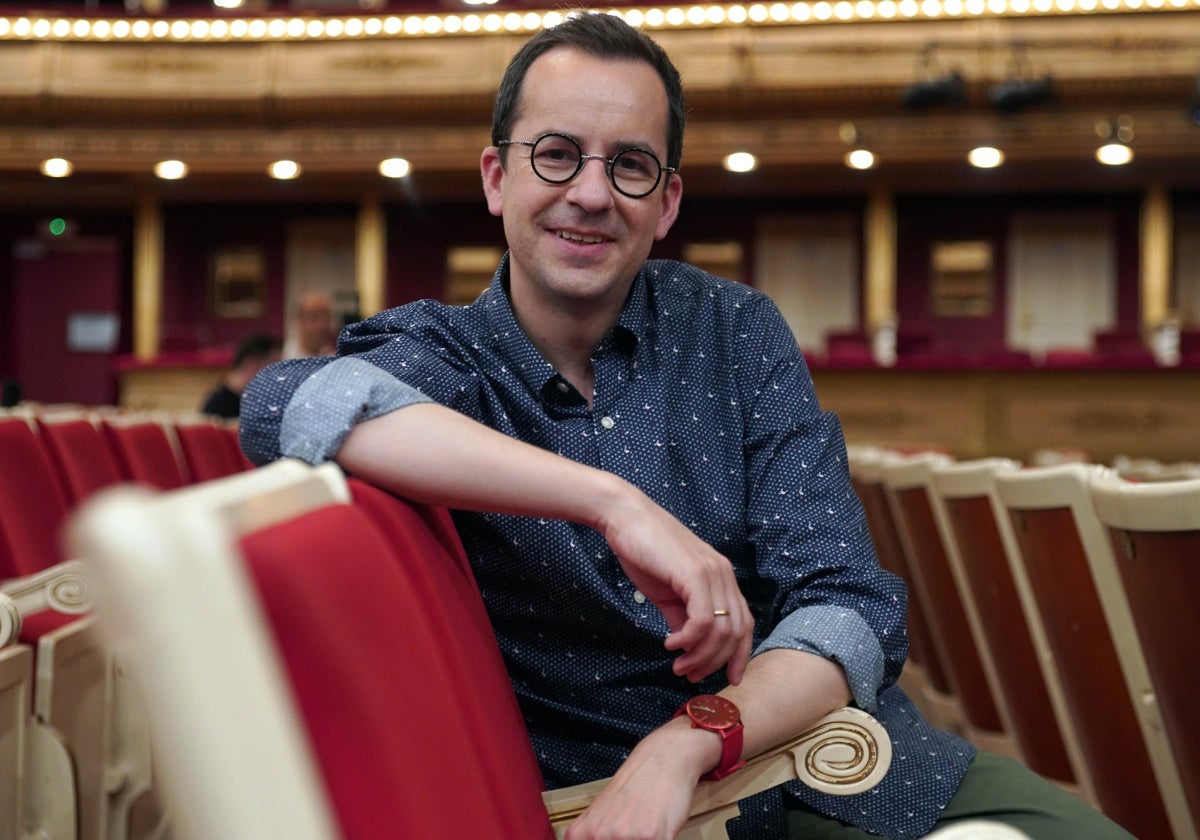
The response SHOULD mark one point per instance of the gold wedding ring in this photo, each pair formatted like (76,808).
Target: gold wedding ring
(720,613)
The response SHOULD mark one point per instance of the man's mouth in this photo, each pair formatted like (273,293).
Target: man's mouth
(587,239)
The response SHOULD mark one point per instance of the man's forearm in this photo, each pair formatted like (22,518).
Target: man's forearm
(433,454)
(783,693)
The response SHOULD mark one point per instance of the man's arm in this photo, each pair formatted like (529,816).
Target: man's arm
(784,692)
(435,455)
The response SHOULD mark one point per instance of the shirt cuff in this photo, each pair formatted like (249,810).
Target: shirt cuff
(839,634)
(332,401)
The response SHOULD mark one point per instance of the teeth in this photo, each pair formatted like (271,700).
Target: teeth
(576,237)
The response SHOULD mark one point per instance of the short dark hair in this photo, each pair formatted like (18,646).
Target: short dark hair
(256,346)
(604,36)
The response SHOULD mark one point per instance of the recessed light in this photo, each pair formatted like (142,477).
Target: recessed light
(57,167)
(740,162)
(284,170)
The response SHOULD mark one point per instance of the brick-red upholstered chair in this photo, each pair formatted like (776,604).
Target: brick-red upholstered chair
(1154,531)
(205,449)
(82,456)
(145,451)
(1077,594)
(317,664)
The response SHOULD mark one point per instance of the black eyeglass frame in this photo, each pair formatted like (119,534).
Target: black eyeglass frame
(583,159)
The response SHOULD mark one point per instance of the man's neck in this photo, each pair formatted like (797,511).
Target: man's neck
(567,336)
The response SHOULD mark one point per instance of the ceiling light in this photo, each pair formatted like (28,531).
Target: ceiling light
(860,159)
(740,162)
(985,157)
(57,167)
(171,170)
(284,170)
(1114,154)
(396,167)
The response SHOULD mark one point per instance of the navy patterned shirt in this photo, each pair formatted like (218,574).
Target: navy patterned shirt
(703,400)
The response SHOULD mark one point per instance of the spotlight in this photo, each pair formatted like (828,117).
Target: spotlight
(945,90)
(1015,95)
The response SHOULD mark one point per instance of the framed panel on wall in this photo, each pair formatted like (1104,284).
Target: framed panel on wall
(237,281)
(961,282)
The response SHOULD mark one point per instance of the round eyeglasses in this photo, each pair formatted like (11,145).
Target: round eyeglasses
(557,158)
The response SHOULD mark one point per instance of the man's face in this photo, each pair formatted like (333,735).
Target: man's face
(580,244)
(316,325)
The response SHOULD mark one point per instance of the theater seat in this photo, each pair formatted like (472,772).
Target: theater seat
(1077,595)
(1154,532)
(305,682)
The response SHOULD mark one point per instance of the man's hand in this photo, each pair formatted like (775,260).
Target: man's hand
(650,797)
(688,580)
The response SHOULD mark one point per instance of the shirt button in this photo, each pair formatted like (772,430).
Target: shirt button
(562,386)
(638,597)
(607,422)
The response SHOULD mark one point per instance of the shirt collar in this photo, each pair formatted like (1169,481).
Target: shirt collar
(518,352)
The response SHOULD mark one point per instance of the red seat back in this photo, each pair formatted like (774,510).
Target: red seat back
(396,673)
(83,458)
(205,451)
(144,453)
(32,503)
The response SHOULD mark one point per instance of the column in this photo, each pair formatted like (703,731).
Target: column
(147,278)
(371,256)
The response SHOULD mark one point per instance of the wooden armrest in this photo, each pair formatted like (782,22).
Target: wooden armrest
(62,588)
(845,752)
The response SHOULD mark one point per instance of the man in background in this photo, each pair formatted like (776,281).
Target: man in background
(313,332)
(254,353)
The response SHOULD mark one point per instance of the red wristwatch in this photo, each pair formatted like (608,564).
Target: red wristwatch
(716,714)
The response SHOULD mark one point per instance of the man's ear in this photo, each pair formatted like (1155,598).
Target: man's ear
(672,195)
(492,170)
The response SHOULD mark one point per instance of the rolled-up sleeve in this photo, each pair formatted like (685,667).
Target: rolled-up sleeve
(305,408)
(839,634)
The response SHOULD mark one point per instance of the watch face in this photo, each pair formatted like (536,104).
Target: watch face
(713,711)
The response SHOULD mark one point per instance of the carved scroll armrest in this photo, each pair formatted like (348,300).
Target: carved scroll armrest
(63,588)
(845,752)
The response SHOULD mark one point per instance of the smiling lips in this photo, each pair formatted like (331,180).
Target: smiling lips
(588,239)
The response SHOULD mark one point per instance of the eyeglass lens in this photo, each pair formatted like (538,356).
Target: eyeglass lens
(557,158)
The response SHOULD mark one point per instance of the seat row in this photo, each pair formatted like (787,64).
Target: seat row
(276,652)
(74,753)
(1050,619)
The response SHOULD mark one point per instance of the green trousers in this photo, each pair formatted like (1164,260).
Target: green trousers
(994,788)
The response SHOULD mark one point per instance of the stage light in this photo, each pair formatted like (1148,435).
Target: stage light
(944,90)
(1013,95)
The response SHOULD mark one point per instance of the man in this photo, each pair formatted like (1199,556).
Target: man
(254,353)
(620,389)
(313,333)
